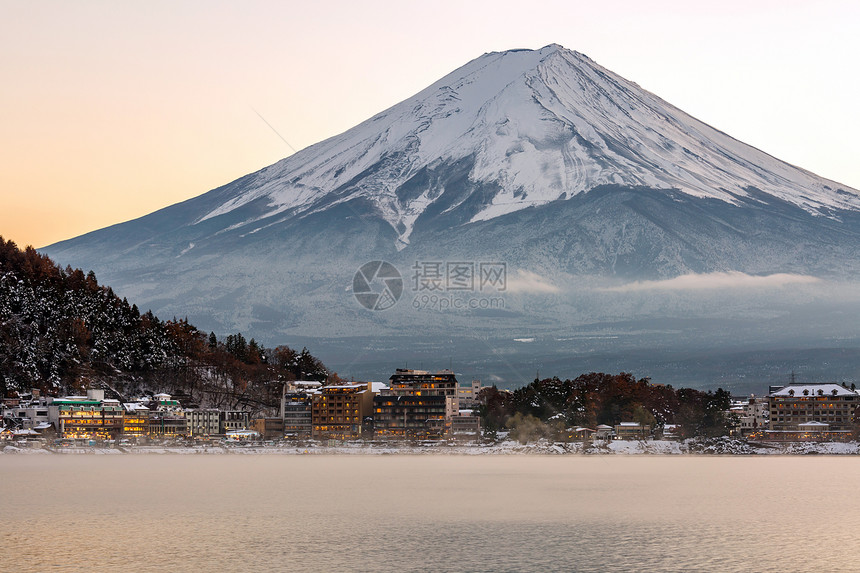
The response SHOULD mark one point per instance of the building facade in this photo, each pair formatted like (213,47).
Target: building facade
(296,402)
(203,423)
(408,416)
(89,416)
(337,412)
(268,428)
(417,404)
(468,395)
(233,420)
(797,405)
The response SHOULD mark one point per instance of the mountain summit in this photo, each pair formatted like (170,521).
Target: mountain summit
(530,127)
(540,159)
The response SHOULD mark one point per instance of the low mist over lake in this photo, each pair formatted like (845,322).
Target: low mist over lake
(416,513)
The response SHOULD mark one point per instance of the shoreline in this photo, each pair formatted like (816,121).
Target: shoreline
(707,447)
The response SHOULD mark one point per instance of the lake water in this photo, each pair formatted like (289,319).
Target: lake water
(428,513)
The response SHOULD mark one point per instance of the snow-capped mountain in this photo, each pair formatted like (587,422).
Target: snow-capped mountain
(538,126)
(539,158)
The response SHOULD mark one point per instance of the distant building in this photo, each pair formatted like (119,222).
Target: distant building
(799,411)
(135,420)
(417,404)
(203,422)
(632,431)
(338,411)
(603,432)
(89,416)
(233,420)
(466,424)
(166,418)
(268,428)
(296,402)
(468,395)
(166,424)
(409,416)
(26,416)
(753,414)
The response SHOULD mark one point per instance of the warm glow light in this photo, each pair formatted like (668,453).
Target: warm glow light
(114,110)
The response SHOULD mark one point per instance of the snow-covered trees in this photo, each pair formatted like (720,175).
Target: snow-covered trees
(60,330)
(598,398)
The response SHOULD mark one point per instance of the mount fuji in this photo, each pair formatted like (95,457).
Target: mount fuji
(629,231)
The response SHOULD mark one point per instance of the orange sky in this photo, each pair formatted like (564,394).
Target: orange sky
(112,110)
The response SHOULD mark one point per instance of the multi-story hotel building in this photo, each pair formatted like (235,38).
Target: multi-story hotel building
(202,423)
(89,416)
(296,407)
(752,414)
(234,420)
(828,409)
(135,420)
(417,403)
(338,411)
(166,418)
(166,424)
(409,416)
(468,395)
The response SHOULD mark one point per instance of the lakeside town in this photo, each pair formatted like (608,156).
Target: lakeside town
(417,409)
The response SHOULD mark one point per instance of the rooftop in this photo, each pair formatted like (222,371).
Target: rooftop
(823,389)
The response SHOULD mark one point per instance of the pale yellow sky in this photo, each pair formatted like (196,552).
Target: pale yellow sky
(112,110)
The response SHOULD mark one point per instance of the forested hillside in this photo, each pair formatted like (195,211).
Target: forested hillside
(547,408)
(60,331)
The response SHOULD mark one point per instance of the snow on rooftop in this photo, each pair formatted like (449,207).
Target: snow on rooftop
(134,407)
(827,389)
(378,386)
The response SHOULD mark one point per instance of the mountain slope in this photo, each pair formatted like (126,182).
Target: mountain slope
(540,159)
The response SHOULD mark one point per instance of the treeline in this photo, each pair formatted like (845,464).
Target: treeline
(549,408)
(60,331)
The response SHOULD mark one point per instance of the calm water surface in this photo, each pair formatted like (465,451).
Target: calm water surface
(428,513)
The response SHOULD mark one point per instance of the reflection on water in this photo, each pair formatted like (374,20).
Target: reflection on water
(420,513)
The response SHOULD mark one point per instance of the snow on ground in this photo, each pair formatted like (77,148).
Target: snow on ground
(715,446)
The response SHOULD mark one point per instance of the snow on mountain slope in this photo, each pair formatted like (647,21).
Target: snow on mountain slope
(537,125)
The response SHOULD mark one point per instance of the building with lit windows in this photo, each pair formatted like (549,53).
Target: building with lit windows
(135,420)
(166,424)
(234,420)
(812,411)
(296,407)
(166,418)
(417,404)
(89,416)
(468,395)
(337,412)
(409,416)
(632,431)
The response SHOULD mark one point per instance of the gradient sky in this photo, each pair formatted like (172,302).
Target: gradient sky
(111,110)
